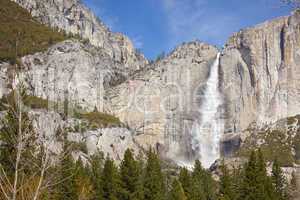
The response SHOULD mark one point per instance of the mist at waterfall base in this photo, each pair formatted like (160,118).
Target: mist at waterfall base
(207,129)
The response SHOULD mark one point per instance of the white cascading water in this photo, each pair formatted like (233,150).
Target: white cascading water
(206,135)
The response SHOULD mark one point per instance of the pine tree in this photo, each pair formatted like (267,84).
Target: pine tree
(154,185)
(185,180)
(237,174)
(265,187)
(177,192)
(256,184)
(67,189)
(209,187)
(197,187)
(279,181)
(15,120)
(248,188)
(226,185)
(84,188)
(96,162)
(110,180)
(203,184)
(130,177)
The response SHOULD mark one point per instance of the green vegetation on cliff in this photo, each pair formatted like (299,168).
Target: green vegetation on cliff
(99,120)
(21,33)
(281,142)
(90,120)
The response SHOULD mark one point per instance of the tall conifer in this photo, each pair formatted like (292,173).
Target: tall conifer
(226,184)
(110,180)
(177,192)
(130,177)
(185,180)
(279,181)
(154,184)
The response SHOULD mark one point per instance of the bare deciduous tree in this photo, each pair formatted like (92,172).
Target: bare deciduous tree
(25,173)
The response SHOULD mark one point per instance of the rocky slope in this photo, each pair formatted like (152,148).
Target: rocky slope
(280,140)
(260,73)
(259,79)
(83,141)
(161,103)
(72,71)
(75,73)
(73,17)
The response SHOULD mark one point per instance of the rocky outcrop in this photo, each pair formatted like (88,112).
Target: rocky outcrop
(259,80)
(260,73)
(73,17)
(74,72)
(83,142)
(111,141)
(279,140)
(161,102)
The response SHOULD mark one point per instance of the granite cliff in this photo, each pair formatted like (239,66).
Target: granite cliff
(260,73)
(159,103)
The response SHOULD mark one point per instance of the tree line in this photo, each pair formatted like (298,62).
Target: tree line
(30,171)
(136,179)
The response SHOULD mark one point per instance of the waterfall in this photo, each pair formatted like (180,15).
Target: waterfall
(206,133)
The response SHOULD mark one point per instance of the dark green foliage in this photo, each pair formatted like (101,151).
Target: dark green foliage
(99,119)
(110,180)
(67,188)
(279,181)
(237,180)
(186,181)
(256,184)
(21,33)
(177,192)
(203,184)
(265,187)
(130,177)
(154,184)
(16,129)
(226,185)
(96,162)
(275,146)
(296,145)
(28,100)
(78,146)
(36,102)
(248,188)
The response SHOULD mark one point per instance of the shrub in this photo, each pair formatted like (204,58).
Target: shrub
(36,102)
(296,144)
(99,120)
(17,26)
(78,146)
(33,102)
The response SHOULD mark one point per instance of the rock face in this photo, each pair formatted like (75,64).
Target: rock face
(112,141)
(73,17)
(279,140)
(162,102)
(260,73)
(259,80)
(74,72)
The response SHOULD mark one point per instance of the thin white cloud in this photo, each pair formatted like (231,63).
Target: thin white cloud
(192,19)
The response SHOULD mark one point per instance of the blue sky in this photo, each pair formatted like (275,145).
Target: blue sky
(157,26)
